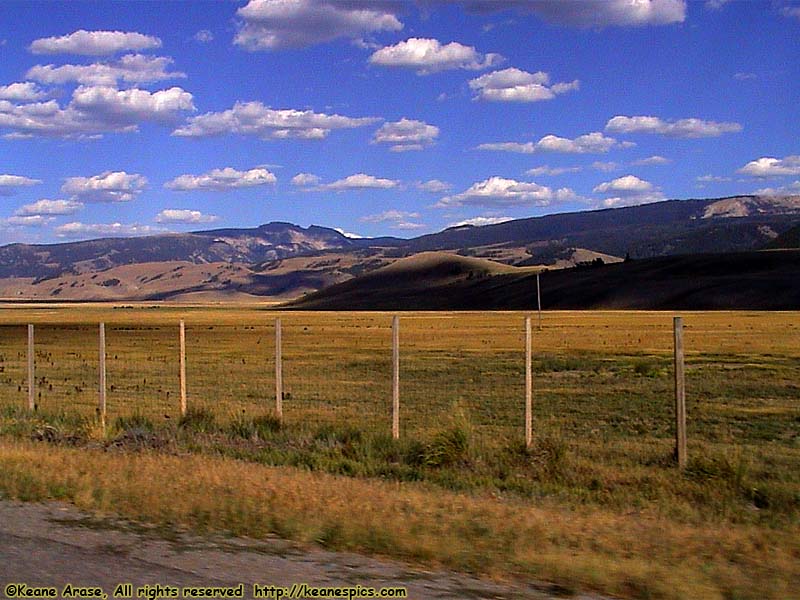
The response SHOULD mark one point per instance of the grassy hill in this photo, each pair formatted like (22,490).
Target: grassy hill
(766,280)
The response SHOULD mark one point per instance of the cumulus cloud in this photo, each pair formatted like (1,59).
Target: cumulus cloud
(652,160)
(110,186)
(279,24)
(406,134)
(683,128)
(10,183)
(434,186)
(359,181)
(427,56)
(498,191)
(177,215)
(515,85)
(131,68)
(590,143)
(220,180)
(305,180)
(772,167)
(49,207)
(593,13)
(629,184)
(628,191)
(94,43)
(481,221)
(21,92)
(94,110)
(255,119)
(348,234)
(553,171)
(76,229)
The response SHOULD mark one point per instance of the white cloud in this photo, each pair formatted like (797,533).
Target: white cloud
(498,191)
(590,143)
(434,186)
(772,167)
(21,92)
(605,166)
(9,183)
(712,179)
(49,207)
(131,68)
(652,160)
(515,85)
(204,36)
(743,76)
(683,128)
(406,134)
(110,186)
(305,180)
(632,200)
(430,56)
(255,119)
(390,215)
(94,110)
(359,181)
(552,171)
(94,43)
(176,215)
(27,221)
(348,234)
(787,190)
(481,221)
(629,184)
(397,219)
(629,191)
(791,12)
(593,13)
(279,24)
(220,180)
(76,229)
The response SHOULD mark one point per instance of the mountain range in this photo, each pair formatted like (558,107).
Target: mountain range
(284,261)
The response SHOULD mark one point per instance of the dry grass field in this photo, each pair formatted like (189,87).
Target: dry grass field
(596,504)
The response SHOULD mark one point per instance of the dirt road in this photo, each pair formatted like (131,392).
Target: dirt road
(52,545)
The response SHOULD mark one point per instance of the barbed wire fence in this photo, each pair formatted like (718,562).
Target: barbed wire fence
(340,371)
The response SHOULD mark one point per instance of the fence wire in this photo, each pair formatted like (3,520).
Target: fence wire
(604,376)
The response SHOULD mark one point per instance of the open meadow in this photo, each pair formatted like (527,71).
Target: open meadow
(597,503)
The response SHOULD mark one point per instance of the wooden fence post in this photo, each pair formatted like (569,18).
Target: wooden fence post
(539,300)
(278,369)
(680,395)
(396,377)
(183,368)
(31,372)
(528,385)
(102,365)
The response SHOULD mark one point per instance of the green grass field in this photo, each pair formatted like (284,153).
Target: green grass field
(727,527)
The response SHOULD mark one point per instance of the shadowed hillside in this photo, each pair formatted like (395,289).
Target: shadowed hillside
(767,280)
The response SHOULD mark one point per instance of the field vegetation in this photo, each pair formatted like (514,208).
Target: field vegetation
(596,504)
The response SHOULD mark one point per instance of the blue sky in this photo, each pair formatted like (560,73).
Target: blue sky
(385,117)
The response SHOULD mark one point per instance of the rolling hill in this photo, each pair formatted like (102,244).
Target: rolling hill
(763,280)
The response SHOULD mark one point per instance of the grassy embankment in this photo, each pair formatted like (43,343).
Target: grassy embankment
(596,504)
